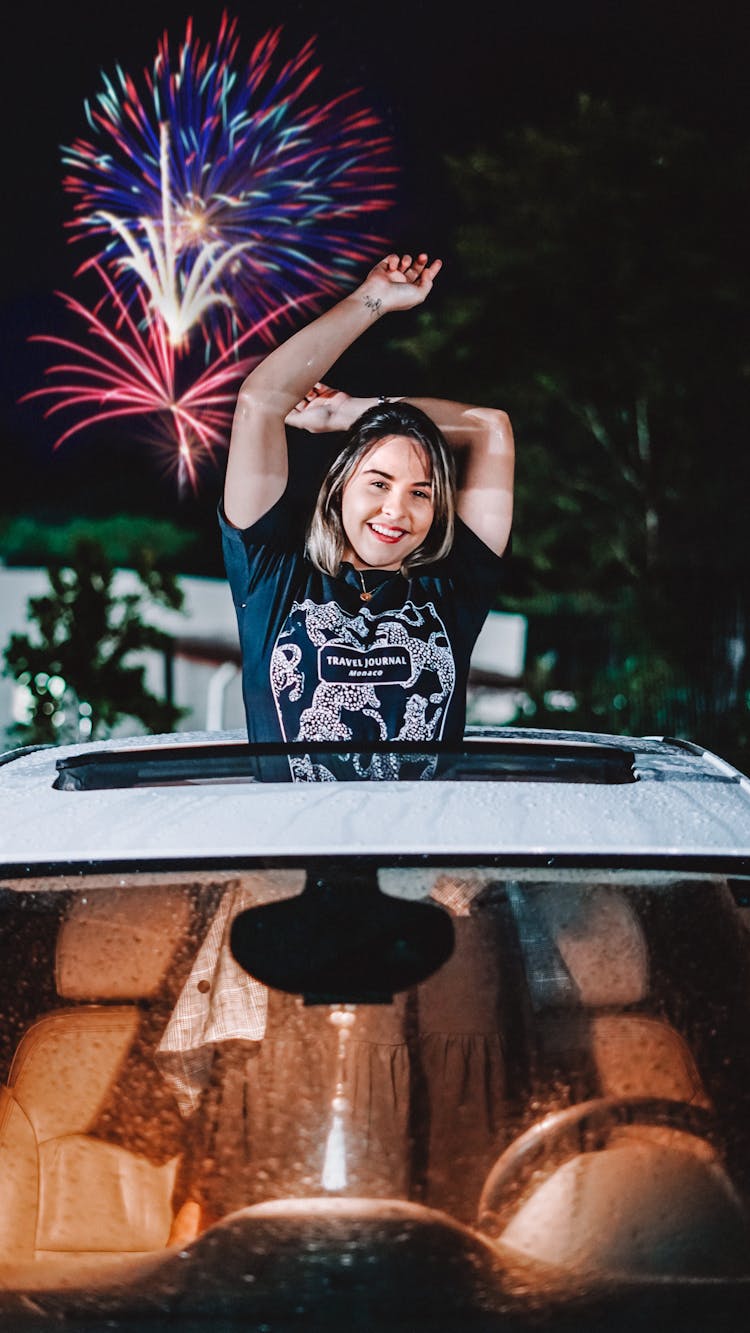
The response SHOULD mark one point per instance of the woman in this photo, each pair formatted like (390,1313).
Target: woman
(358,625)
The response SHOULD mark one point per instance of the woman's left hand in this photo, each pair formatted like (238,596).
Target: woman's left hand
(322,409)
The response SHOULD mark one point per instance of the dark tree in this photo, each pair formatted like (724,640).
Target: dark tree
(79,666)
(603,299)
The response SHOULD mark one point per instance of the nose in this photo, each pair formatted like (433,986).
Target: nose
(394,505)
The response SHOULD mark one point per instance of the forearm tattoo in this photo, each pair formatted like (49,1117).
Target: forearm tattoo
(373,303)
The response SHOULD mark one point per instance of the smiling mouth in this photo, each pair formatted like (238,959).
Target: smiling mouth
(385,534)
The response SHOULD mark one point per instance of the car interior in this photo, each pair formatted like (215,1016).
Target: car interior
(548,1086)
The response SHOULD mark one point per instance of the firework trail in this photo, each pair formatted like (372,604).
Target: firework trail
(130,367)
(232,172)
(180,299)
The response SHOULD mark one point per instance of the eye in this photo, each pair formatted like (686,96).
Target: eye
(423,495)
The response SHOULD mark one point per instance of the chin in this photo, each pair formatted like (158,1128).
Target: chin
(385,557)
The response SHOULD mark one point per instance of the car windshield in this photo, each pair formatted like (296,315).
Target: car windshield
(554,1061)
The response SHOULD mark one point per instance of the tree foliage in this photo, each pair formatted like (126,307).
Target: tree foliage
(79,664)
(29,540)
(603,300)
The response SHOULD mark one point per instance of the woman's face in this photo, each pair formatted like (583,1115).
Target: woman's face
(387,506)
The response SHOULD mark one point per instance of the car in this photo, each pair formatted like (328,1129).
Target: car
(462,1044)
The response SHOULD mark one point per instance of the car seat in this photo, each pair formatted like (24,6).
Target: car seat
(588,975)
(66,1186)
(654,1198)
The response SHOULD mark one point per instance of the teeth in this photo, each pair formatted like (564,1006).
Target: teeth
(387,532)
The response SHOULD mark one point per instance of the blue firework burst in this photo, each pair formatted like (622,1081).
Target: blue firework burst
(256,166)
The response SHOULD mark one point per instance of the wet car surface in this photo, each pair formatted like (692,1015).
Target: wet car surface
(468,1052)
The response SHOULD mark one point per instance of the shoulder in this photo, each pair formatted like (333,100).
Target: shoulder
(268,551)
(470,575)
(268,527)
(469,554)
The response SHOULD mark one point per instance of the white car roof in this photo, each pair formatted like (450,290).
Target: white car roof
(684,802)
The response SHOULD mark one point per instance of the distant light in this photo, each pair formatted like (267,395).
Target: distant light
(56,686)
(22,706)
(561,701)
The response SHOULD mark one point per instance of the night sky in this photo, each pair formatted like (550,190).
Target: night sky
(439,88)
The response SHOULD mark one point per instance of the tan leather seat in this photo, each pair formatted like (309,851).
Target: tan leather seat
(65,1189)
(656,1199)
(588,1022)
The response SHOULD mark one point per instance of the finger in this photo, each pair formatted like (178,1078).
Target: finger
(417,267)
(391,263)
(431,271)
(405,263)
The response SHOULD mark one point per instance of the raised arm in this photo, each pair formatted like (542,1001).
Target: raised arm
(481,436)
(256,472)
(483,440)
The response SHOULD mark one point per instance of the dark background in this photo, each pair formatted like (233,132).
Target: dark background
(441,87)
(654,644)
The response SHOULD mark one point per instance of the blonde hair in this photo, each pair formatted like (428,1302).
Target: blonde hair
(326,538)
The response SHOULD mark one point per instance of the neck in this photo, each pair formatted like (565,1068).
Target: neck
(360,567)
(385,571)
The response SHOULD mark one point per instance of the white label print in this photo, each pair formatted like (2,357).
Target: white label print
(369,677)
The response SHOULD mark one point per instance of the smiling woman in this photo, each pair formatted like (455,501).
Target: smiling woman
(392,486)
(358,623)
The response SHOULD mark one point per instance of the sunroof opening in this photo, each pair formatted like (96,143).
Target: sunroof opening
(237,762)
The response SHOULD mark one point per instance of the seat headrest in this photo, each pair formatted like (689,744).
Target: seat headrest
(117,944)
(600,941)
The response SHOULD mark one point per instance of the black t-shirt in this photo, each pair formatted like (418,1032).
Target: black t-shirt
(320,664)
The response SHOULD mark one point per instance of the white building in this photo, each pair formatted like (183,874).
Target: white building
(203,672)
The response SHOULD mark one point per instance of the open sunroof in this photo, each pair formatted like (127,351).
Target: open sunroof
(474,761)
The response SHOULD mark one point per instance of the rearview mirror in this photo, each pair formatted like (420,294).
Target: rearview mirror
(342,941)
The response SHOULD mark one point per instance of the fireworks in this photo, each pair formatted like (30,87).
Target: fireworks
(218,200)
(123,371)
(253,169)
(180,299)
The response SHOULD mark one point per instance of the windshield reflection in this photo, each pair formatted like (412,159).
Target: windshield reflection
(572,1083)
